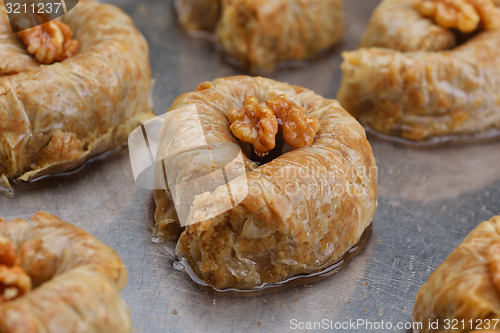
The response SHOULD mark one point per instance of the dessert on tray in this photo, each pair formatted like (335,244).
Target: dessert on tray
(75,90)
(260,34)
(427,71)
(55,277)
(466,287)
(264,181)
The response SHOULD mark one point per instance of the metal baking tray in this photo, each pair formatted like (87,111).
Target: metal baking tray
(429,200)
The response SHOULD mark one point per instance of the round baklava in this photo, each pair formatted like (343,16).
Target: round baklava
(55,277)
(254,211)
(427,71)
(75,90)
(260,34)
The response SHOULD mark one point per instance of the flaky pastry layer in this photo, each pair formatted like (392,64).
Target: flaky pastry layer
(263,33)
(304,209)
(76,280)
(55,117)
(409,79)
(466,286)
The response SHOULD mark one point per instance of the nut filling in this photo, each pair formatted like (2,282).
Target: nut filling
(50,42)
(465,15)
(258,123)
(14,282)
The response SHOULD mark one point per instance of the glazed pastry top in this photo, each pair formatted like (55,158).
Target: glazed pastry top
(13,55)
(295,214)
(54,117)
(415,25)
(396,24)
(403,83)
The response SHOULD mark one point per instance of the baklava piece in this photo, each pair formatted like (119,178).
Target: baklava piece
(55,277)
(266,222)
(75,90)
(260,34)
(465,289)
(427,71)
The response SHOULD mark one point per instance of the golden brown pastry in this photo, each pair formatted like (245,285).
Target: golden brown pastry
(55,277)
(420,90)
(55,117)
(297,213)
(13,56)
(466,286)
(262,33)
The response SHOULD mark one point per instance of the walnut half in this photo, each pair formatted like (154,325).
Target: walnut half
(465,15)
(50,42)
(258,123)
(14,282)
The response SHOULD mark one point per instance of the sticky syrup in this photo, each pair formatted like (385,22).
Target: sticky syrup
(47,180)
(294,281)
(441,141)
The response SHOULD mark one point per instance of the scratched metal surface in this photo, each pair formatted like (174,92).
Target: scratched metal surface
(429,201)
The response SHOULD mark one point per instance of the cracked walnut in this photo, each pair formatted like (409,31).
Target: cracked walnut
(465,15)
(258,123)
(14,281)
(50,42)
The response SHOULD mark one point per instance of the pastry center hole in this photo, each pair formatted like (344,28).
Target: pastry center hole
(280,149)
(462,37)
